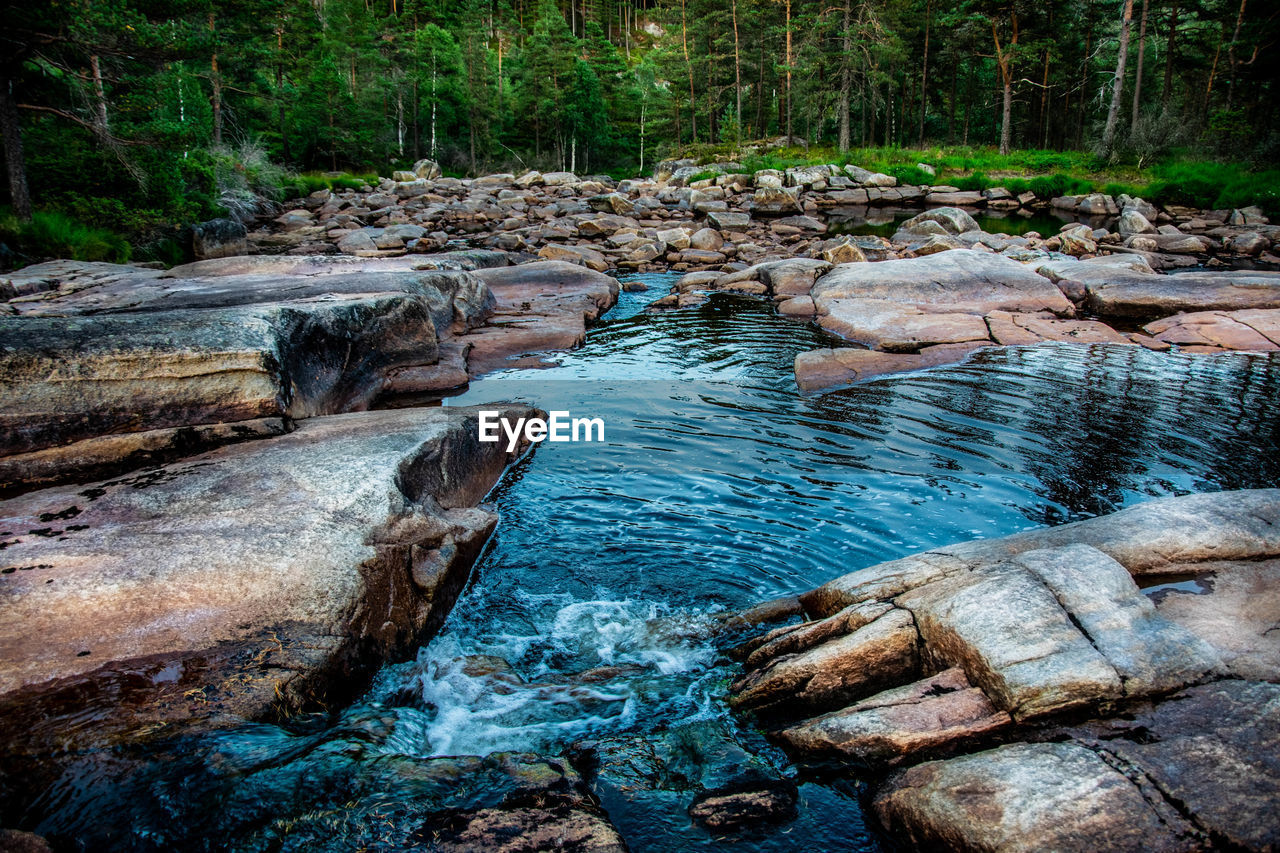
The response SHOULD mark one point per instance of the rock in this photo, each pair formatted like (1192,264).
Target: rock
(1113,291)
(17,841)
(218,238)
(1212,750)
(702,257)
(675,238)
(927,169)
(801,223)
(612,203)
(843,250)
(706,239)
(1012,329)
(930,715)
(428,170)
(70,378)
(952,219)
(1132,222)
(357,242)
(1028,797)
(969,199)
(726,221)
(892,326)
(732,810)
(286,562)
(1255,330)
(806,176)
(1250,243)
(529,179)
(1098,204)
(776,201)
(538,308)
(581,255)
(559,179)
(816,370)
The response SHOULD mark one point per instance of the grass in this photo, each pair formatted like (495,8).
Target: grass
(51,234)
(297,186)
(1178,179)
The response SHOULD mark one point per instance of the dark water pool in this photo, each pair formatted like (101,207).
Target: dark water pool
(592,615)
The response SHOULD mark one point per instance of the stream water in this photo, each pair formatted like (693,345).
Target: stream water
(593,614)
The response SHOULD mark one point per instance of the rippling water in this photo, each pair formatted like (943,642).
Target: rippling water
(593,612)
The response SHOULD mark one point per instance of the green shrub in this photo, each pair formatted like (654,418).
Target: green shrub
(50,234)
(976,181)
(1124,189)
(909,175)
(1059,184)
(1017,186)
(703,176)
(1261,189)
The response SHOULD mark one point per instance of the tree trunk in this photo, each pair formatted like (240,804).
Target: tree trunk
(1168,57)
(924,69)
(1004,62)
(846,80)
(215,82)
(15,162)
(788,57)
(737,69)
(1113,113)
(280,111)
(1137,76)
(693,103)
(1231,57)
(99,96)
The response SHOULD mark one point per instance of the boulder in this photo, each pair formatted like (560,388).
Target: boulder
(291,568)
(1133,222)
(1111,290)
(1029,797)
(581,255)
(1255,330)
(356,242)
(726,221)
(951,219)
(821,369)
(218,238)
(706,239)
(612,203)
(776,200)
(426,169)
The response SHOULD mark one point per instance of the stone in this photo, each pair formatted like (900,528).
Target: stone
(951,199)
(357,242)
(284,559)
(1234,608)
(843,251)
(612,203)
(706,239)
(952,219)
(218,238)
(1013,639)
(892,327)
(559,179)
(1211,749)
(726,221)
(581,255)
(1109,290)
(855,665)
(1250,243)
(802,223)
(936,713)
(427,169)
(821,369)
(1015,329)
(675,238)
(70,378)
(776,200)
(1024,797)
(1256,330)
(960,280)
(1133,222)
(539,307)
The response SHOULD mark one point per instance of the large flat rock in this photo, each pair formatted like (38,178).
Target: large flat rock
(539,307)
(63,379)
(266,576)
(1029,797)
(958,281)
(1113,290)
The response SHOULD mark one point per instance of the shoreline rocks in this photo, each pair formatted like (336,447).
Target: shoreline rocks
(1109,708)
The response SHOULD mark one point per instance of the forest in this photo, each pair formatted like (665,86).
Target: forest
(137,114)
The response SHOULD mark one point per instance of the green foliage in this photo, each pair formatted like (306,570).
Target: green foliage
(1051,186)
(976,181)
(703,176)
(909,174)
(50,234)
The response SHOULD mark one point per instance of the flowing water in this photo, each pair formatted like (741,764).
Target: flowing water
(593,615)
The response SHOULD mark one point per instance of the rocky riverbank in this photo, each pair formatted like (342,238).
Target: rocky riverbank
(1108,684)
(727,218)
